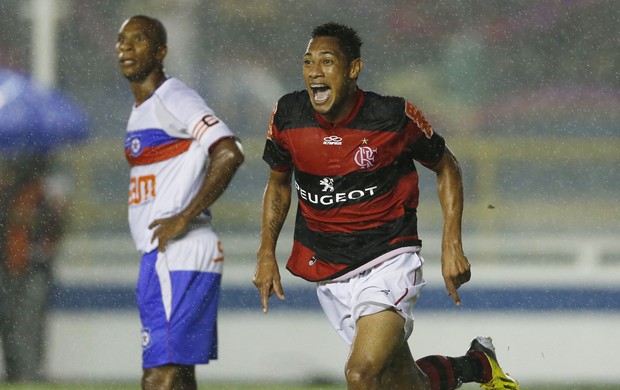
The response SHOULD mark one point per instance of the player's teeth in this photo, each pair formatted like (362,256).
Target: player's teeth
(321,96)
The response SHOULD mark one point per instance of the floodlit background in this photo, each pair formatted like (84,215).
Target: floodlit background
(527,94)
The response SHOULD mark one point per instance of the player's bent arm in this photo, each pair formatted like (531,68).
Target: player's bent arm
(454,264)
(225,157)
(450,192)
(224,160)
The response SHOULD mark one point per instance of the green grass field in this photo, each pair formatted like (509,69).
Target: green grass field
(232,386)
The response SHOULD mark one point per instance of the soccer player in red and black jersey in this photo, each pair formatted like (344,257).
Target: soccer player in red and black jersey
(349,154)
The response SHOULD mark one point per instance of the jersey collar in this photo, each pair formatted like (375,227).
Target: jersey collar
(359,99)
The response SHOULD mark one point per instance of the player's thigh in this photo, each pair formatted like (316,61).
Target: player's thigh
(378,336)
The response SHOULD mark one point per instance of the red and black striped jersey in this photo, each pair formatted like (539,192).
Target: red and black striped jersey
(356,180)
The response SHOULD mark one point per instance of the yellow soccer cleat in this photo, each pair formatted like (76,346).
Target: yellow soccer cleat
(500,380)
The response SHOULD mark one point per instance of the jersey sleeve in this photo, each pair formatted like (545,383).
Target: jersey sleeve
(427,145)
(275,154)
(197,118)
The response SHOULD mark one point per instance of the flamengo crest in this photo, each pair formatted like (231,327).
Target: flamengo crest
(365,156)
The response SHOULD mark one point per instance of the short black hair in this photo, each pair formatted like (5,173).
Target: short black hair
(349,40)
(157,27)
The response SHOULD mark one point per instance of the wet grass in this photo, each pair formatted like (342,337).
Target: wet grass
(245,386)
(133,386)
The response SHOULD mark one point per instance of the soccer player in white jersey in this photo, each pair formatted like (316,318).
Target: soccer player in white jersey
(182,158)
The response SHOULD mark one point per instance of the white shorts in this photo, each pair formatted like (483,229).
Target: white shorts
(395,283)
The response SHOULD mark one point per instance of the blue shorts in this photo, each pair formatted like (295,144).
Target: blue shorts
(177,294)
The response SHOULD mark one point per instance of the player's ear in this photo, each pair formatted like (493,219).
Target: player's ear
(355,68)
(161,53)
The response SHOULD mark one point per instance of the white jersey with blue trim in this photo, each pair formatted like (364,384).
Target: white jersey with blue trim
(167,145)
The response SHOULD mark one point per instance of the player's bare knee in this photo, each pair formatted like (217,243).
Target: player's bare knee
(362,375)
(361,380)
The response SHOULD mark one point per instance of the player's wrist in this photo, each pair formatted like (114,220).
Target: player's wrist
(266,255)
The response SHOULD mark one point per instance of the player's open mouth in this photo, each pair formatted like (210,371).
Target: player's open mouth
(320,92)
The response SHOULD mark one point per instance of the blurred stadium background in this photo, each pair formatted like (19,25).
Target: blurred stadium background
(526,92)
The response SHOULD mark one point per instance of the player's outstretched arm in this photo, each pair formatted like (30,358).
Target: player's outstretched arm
(276,204)
(455,267)
(224,160)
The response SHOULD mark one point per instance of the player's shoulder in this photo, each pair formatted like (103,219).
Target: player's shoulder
(181,101)
(294,100)
(293,106)
(383,105)
(174,88)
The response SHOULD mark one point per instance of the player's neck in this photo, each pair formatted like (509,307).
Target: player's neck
(143,89)
(344,110)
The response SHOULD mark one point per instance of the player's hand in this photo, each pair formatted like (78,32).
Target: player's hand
(167,229)
(267,280)
(456,271)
